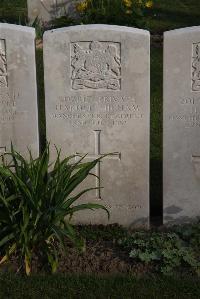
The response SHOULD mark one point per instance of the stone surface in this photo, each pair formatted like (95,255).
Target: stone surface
(181,125)
(47,10)
(18,91)
(97,101)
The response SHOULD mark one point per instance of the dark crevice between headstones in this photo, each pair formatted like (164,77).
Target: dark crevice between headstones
(41,98)
(156,136)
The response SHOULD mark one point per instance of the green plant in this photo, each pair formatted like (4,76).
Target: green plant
(39,27)
(166,250)
(190,233)
(119,12)
(36,205)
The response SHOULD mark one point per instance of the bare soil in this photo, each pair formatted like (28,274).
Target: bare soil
(102,255)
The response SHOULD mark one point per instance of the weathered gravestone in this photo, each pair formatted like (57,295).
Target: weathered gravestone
(181,125)
(18,92)
(97,101)
(47,10)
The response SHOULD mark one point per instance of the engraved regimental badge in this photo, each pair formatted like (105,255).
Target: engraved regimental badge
(96,65)
(3,64)
(196,67)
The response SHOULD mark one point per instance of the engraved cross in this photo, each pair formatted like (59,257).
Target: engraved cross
(196,162)
(196,159)
(97,154)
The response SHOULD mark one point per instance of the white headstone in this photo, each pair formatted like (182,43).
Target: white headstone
(97,101)
(47,10)
(181,125)
(18,91)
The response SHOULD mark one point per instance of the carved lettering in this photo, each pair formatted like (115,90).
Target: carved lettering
(98,110)
(121,206)
(189,113)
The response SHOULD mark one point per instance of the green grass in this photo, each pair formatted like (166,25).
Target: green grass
(20,3)
(171,14)
(13,11)
(97,287)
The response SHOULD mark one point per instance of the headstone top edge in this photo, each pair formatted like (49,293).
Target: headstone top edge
(21,28)
(181,31)
(96,27)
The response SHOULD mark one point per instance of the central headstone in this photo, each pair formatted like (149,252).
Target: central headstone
(18,90)
(97,102)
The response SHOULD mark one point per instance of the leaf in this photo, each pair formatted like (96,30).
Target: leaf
(6,239)
(133,253)
(4,259)
(53,263)
(70,201)
(10,252)
(27,265)
(88,206)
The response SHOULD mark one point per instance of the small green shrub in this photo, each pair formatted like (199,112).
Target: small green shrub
(36,205)
(190,233)
(167,251)
(119,12)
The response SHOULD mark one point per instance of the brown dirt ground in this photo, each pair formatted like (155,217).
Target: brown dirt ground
(98,257)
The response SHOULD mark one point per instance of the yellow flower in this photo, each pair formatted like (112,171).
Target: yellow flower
(82,6)
(149,4)
(127,3)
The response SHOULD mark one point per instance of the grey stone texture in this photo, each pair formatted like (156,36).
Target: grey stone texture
(18,90)
(181,125)
(97,101)
(47,10)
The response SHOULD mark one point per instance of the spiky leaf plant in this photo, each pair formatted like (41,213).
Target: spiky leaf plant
(36,205)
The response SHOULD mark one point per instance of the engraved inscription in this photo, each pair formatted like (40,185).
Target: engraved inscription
(96,65)
(8,107)
(3,64)
(196,67)
(97,155)
(97,111)
(189,112)
(123,207)
(8,100)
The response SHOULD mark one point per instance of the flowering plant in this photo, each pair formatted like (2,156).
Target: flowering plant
(120,12)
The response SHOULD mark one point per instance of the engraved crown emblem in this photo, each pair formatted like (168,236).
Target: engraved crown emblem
(96,66)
